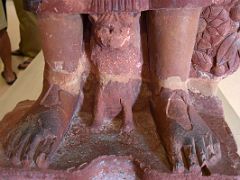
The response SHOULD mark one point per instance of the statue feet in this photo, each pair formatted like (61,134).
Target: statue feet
(189,142)
(37,135)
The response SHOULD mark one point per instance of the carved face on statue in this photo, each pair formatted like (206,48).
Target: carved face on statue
(113,30)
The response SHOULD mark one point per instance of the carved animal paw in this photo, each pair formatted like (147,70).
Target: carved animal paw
(128,127)
(189,142)
(35,137)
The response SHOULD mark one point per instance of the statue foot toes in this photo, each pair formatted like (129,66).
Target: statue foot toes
(208,150)
(175,157)
(27,147)
(192,161)
(39,149)
(178,165)
(202,152)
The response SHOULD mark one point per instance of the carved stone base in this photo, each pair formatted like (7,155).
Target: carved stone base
(87,152)
(105,167)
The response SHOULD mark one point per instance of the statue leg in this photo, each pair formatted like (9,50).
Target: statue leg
(40,131)
(172,34)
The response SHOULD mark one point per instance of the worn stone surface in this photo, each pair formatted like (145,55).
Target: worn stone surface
(216,50)
(105,167)
(82,145)
(115,92)
(102,6)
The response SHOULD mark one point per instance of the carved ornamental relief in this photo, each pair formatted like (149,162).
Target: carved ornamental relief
(217,46)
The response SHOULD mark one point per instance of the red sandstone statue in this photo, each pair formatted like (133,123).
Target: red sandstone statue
(142,67)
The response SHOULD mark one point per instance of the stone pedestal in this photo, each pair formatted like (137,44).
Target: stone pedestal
(119,101)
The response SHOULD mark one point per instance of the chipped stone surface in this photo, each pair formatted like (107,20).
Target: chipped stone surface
(115,102)
(102,6)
